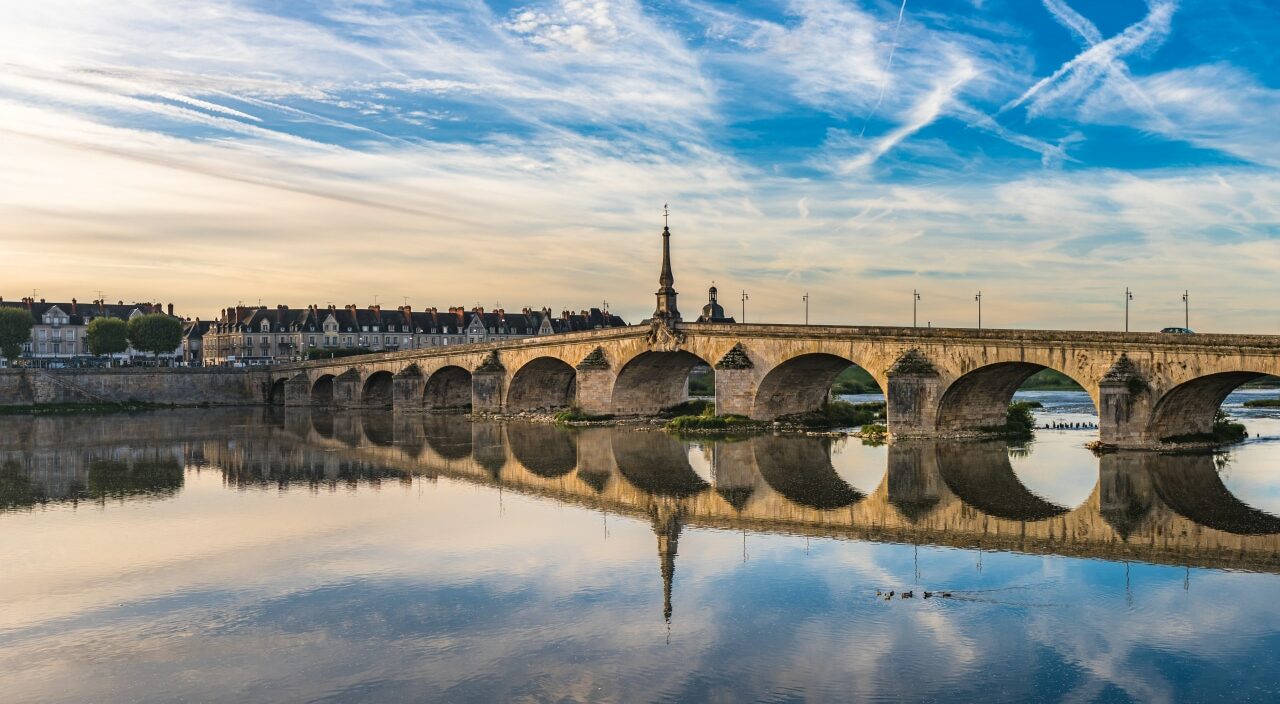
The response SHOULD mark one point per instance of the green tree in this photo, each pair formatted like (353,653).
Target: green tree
(156,333)
(15,329)
(107,336)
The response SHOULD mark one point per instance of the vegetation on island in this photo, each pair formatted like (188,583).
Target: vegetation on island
(574,414)
(835,413)
(156,333)
(107,336)
(1019,423)
(1224,431)
(1263,403)
(15,330)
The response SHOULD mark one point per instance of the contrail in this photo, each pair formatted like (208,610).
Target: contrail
(888,65)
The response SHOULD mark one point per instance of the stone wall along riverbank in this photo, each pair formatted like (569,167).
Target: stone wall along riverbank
(178,386)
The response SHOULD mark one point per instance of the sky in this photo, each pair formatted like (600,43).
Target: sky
(1048,154)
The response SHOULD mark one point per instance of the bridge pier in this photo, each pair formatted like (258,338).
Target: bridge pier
(297,390)
(595,389)
(913,395)
(346,389)
(1124,406)
(407,389)
(487,382)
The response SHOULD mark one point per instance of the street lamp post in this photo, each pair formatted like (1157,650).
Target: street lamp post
(1128,296)
(978,298)
(805,297)
(1186,309)
(915,298)
(744,306)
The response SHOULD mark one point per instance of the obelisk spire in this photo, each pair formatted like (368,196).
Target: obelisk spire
(666,310)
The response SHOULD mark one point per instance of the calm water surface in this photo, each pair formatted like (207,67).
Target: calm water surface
(256,555)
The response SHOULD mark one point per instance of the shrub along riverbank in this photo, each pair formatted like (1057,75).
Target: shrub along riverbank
(47,409)
(1224,431)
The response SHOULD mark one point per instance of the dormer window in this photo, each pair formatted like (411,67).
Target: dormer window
(266,326)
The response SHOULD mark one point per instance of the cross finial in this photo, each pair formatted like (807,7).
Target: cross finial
(665,214)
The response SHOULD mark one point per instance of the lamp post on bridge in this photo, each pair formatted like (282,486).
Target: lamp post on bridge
(978,298)
(915,298)
(1186,309)
(805,298)
(744,306)
(1128,296)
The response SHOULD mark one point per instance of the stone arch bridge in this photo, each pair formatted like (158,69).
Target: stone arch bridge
(937,381)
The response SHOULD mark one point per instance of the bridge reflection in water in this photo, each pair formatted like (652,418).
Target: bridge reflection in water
(1158,508)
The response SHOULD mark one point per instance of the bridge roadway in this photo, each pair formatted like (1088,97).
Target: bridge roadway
(938,382)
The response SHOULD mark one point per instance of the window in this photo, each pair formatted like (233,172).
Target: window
(311,340)
(348,342)
(42,334)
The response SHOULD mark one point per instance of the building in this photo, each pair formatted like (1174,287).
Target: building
(193,332)
(245,335)
(58,338)
(713,312)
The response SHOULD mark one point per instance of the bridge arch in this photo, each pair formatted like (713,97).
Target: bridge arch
(982,477)
(799,384)
(543,383)
(449,387)
(275,395)
(545,450)
(322,390)
(1190,407)
(652,381)
(980,398)
(377,390)
(378,429)
(799,468)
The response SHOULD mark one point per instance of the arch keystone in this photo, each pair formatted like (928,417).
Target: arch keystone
(491,363)
(735,358)
(593,361)
(912,362)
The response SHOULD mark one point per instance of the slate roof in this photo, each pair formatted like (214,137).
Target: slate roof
(81,313)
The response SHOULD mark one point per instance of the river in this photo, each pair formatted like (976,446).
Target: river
(239,555)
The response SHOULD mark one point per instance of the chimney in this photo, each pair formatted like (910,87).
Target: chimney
(170,308)
(119,303)
(42,300)
(73,307)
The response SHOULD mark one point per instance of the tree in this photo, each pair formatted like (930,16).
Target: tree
(156,333)
(15,329)
(107,336)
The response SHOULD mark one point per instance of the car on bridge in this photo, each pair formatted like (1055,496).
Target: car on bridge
(1178,331)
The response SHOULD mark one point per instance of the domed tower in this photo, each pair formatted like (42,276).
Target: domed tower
(713,312)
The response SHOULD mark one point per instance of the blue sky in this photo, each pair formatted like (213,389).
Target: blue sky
(460,152)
